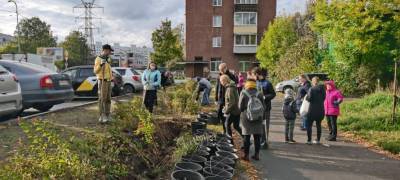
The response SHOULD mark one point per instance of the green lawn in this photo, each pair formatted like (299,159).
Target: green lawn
(370,118)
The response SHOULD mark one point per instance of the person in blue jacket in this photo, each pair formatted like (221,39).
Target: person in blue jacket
(151,80)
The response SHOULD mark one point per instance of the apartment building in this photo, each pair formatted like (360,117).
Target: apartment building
(224,31)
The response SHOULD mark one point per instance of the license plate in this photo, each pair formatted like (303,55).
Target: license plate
(63,83)
(7,105)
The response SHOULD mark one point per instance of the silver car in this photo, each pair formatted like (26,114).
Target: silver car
(10,94)
(131,78)
(41,88)
(294,83)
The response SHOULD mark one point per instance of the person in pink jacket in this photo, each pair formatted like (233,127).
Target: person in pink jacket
(332,110)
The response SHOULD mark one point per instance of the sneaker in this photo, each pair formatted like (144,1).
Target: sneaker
(101,119)
(303,129)
(292,141)
(109,118)
(316,142)
(308,143)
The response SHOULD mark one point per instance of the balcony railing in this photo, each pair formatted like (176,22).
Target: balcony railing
(248,49)
(246,7)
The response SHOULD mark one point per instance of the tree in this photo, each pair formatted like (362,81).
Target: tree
(277,39)
(77,48)
(362,37)
(166,45)
(34,33)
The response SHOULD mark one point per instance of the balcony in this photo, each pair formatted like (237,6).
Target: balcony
(246,7)
(245,49)
(245,29)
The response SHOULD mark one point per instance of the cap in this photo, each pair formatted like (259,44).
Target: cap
(107,46)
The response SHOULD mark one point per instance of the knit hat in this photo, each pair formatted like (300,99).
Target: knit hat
(289,94)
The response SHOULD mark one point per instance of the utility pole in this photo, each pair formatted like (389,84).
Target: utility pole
(18,32)
(394,93)
(88,18)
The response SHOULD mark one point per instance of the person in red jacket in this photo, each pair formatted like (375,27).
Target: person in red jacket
(332,110)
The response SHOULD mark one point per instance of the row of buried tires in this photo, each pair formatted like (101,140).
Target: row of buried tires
(214,158)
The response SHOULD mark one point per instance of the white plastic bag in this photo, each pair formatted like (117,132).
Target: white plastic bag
(305,106)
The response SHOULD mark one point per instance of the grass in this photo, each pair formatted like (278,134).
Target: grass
(370,119)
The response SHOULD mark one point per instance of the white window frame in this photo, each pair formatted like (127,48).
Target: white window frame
(242,19)
(249,40)
(246,1)
(215,22)
(217,42)
(242,66)
(215,64)
(216,2)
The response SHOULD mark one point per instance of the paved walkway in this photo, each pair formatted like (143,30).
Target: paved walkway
(333,160)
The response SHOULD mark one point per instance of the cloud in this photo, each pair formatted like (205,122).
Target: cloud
(124,21)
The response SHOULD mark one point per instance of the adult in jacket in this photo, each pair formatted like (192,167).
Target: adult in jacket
(316,112)
(305,85)
(151,80)
(220,91)
(332,110)
(231,109)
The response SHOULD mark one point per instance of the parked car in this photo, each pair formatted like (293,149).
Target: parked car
(84,81)
(131,78)
(294,83)
(10,93)
(41,88)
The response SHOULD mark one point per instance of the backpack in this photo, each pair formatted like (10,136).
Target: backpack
(289,111)
(255,107)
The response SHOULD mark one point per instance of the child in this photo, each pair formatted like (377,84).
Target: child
(289,113)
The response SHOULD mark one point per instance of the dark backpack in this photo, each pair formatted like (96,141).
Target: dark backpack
(289,111)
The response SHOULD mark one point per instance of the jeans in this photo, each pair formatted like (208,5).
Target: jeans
(150,98)
(332,125)
(267,117)
(257,144)
(289,128)
(206,94)
(232,119)
(304,122)
(309,129)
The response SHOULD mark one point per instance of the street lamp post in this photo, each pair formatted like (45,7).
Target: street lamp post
(18,33)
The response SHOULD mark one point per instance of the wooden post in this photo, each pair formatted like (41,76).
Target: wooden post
(394,93)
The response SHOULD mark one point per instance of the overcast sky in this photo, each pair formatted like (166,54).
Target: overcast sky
(124,21)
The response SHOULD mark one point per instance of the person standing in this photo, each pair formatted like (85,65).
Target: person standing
(251,127)
(316,97)
(151,80)
(240,82)
(102,69)
(267,89)
(220,91)
(204,86)
(231,109)
(289,110)
(332,110)
(305,85)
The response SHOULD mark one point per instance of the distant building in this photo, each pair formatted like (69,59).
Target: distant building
(132,56)
(224,31)
(4,38)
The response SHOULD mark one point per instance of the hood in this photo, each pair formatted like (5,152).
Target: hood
(287,100)
(332,84)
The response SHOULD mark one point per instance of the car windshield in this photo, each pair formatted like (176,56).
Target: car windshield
(86,72)
(3,70)
(121,71)
(135,72)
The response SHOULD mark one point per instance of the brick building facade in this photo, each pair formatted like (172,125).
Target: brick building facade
(224,31)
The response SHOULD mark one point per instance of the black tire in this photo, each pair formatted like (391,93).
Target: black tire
(43,108)
(287,87)
(128,89)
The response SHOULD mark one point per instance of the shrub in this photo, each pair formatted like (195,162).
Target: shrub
(187,144)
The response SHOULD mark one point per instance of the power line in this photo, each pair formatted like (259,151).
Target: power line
(88,18)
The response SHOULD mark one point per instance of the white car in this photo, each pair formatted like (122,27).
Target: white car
(10,94)
(132,79)
(294,83)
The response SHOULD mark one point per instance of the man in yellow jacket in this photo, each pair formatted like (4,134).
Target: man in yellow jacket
(102,69)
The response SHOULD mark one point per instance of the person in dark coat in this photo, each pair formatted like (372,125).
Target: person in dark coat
(231,110)
(220,91)
(305,85)
(316,97)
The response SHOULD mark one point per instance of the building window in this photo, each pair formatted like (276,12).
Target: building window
(246,1)
(244,66)
(245,18)
(217,21)
(245,40)
(216,42)
(217,2)
(214,64)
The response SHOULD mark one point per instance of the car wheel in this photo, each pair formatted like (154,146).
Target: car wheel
(128,89)
(287,87)
(43,108)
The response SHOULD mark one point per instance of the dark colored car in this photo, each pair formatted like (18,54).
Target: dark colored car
(41,88)
(84,81)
